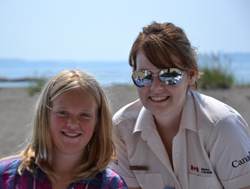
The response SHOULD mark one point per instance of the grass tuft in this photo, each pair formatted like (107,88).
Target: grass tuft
(217,73)
(36,86)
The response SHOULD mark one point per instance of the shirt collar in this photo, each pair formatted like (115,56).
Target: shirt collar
(145,120)
(188,117)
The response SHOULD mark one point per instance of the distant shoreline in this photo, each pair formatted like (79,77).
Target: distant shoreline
(18,79)
(24,82)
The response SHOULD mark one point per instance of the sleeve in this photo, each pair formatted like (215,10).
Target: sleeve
(121,164)
(229,147)
(9,176)
(2,176)
(117,182)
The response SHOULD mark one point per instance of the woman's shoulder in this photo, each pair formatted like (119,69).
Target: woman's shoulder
(211,109)
(10,165)
(130,110)
(206,101)
(222,119)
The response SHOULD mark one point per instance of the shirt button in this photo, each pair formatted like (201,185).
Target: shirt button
(177,155)
(210,187)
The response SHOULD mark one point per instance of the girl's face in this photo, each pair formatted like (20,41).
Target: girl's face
(72,121)
(161,99)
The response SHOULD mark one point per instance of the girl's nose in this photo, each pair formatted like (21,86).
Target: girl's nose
(73,122)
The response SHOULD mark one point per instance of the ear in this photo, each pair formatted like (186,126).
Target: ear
(133,69)
(192,75)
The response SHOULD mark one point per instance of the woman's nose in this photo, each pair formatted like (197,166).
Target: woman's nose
(156,84)
(73,122)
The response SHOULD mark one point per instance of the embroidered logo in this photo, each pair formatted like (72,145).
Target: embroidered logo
(194,168)
(203,170)
(206,171)
(237,163)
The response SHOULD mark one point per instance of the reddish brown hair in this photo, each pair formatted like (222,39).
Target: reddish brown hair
(159,41)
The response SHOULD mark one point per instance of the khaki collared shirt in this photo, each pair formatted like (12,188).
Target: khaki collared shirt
(211,149)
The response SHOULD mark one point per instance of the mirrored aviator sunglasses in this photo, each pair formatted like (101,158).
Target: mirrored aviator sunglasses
(169,76)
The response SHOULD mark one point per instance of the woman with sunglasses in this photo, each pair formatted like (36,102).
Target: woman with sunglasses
(174,137)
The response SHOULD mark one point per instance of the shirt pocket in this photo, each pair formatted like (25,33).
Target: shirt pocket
(196,181)
(150,181)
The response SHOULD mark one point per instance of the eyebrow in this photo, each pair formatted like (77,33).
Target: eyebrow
(65,108)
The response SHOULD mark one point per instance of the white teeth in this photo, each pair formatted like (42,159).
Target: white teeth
(71,134)
(158,98)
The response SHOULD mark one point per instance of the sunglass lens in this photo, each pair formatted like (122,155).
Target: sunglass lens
(142,78)
(171,76)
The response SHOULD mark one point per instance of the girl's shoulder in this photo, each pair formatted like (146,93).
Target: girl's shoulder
(10,165)
(117,180)
(109,177)
(110,173)
(107,173)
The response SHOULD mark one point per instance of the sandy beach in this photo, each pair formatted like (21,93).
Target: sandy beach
(17,107)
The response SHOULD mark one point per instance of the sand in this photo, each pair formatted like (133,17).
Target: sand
(16,110)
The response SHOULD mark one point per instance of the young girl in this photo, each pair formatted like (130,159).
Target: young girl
(72,141)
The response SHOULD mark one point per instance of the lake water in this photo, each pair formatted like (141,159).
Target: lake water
(106,73)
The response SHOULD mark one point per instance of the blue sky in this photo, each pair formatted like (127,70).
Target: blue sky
(105,30)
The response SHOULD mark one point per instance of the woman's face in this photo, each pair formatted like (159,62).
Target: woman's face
(161,99)
(72,121)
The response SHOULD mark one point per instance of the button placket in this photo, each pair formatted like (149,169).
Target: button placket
(179,159)
(177,155)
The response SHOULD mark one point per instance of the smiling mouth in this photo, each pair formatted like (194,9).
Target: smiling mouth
(71,134)
(159,98)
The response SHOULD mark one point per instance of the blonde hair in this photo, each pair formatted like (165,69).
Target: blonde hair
(100,150)
(159,41)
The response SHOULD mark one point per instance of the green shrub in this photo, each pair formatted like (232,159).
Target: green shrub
(216,69)
(36,85)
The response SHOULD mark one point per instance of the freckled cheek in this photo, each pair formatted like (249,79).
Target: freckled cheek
(88,126)
(56,123)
